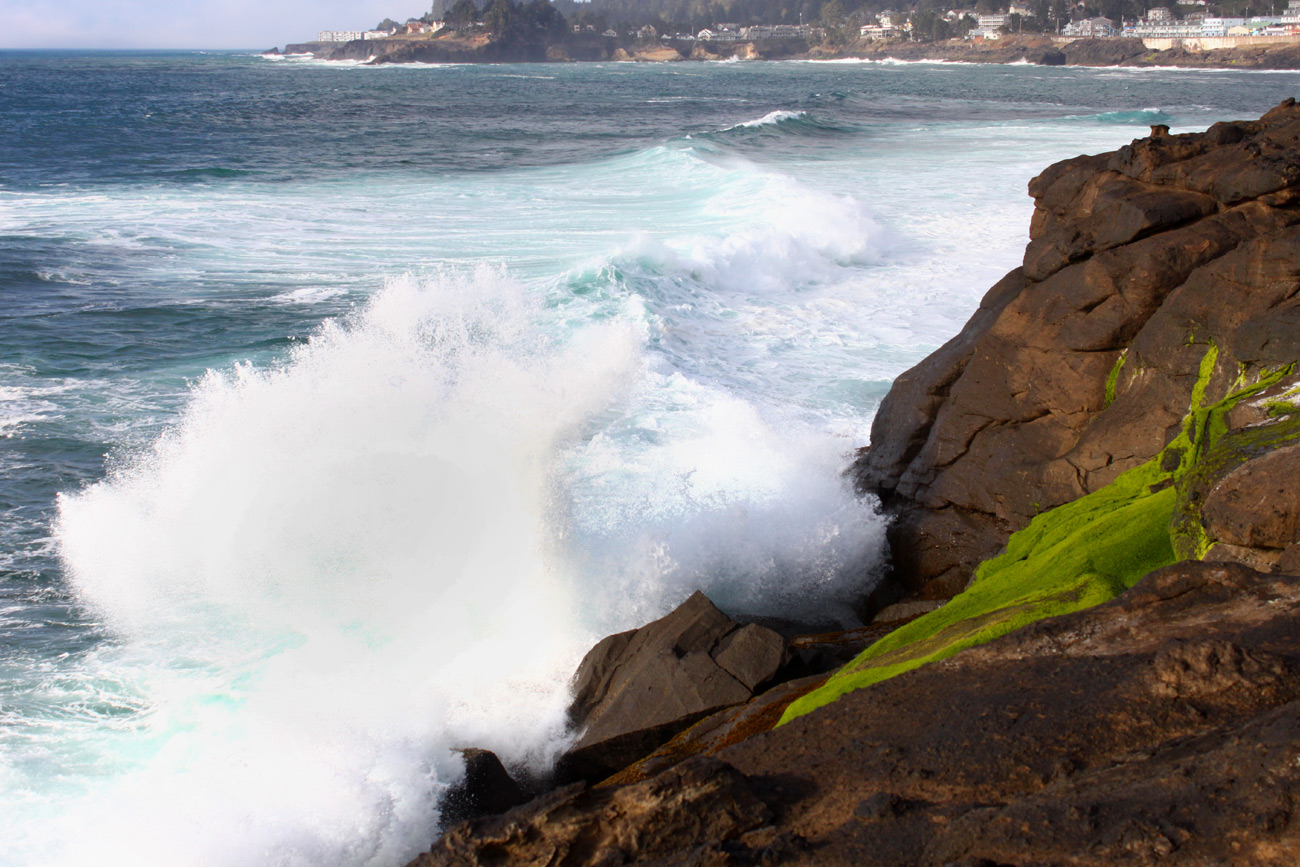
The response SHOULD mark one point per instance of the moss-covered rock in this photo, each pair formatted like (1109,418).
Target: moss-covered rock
(1092,549)
(1079,367)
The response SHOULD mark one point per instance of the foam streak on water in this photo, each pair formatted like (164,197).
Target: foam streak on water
(343,408)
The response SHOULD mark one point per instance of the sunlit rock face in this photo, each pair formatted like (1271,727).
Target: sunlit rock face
(1084,362)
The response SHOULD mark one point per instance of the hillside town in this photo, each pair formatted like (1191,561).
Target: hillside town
(1188,19)
(1188,23)
(723,32)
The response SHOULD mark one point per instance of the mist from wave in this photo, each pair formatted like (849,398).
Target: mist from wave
(329,573)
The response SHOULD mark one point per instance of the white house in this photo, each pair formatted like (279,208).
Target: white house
(878,31)
(1219,26)
(1090,28)
(776,31)
(338,35)
(722,34)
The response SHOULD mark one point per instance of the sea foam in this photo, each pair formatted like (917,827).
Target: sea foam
(329,574)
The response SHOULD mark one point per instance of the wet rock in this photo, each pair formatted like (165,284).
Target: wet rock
(486,789)
(690,811)
(635,690)
(905,611)
(1161,727)
(720,730)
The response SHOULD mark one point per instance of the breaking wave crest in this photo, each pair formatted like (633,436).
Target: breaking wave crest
(330,574)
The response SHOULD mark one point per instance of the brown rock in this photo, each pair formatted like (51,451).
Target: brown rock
(635,690)
(693,808)
(1138,262)
(1161,727)
(722,729)
(1257,505)
(751,654)
(905,611)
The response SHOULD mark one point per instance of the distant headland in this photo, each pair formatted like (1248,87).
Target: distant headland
(1189,34)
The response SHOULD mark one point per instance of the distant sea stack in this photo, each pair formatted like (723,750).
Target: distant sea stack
(1096,498)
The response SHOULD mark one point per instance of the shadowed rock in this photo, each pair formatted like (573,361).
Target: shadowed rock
(486,789)
(1162,727)
(697,807)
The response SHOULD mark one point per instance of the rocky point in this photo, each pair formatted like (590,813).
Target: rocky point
(1093,491)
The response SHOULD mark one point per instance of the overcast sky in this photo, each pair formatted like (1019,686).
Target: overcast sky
(188,23)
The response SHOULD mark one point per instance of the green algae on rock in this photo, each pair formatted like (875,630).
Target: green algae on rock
(1087,551)
(1080,365)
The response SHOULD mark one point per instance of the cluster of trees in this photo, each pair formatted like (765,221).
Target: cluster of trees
(531,21)
(692,16)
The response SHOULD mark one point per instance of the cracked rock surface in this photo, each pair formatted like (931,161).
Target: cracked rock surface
(1162,727)
(1081,364)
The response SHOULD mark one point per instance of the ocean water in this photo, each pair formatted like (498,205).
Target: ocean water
(342,409)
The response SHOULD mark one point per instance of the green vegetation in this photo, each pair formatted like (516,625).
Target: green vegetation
(838,20)
(1218,452)
(1082,553)
(1112,379)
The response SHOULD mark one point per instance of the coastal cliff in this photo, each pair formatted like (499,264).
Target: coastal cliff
(1043,50)
(1031,48)
(1096,516)
(482,48)
(1158,279)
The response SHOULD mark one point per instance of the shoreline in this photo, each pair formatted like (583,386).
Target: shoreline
(1011,50)
(1086,646)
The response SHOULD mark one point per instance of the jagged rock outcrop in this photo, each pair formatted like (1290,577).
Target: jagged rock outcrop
(1084,362)
(486,789)
(1161,727)
(1129,397)
(635,690)
(698,809)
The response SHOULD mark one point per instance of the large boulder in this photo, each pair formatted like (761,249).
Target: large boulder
(1257,505)
(635,690)
(1084,362)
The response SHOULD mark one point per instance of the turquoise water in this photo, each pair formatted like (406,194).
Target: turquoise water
(342,409)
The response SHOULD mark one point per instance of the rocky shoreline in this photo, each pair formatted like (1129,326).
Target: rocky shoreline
(1034,49)
(1095,491)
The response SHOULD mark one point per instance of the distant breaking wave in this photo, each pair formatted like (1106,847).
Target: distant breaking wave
(772,118)
(1136,116)
(781,122)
